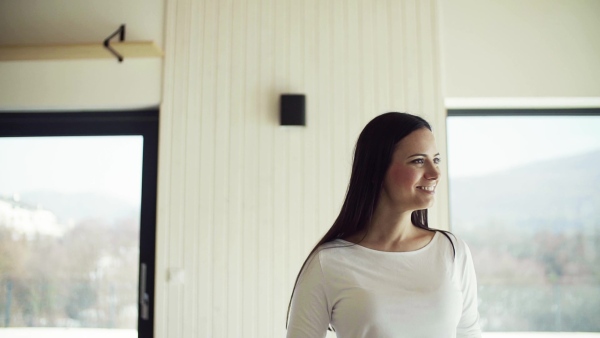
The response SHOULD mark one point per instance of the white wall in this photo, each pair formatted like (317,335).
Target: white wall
(521,49)
(241,199)
(35,22)
(79,84)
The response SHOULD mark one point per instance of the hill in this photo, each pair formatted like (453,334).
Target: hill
(80,206)
(561,193)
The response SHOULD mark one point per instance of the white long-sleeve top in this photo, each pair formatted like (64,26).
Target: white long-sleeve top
(367,293)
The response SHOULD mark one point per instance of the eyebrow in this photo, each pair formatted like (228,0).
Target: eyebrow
(424,155)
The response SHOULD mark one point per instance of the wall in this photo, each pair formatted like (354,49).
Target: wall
(79,84)
(515,49)
(241,199)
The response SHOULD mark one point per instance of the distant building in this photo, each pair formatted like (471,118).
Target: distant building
(28,220)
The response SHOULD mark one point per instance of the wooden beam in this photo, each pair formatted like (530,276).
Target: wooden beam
(140,49)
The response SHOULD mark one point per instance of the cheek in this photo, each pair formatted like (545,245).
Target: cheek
(402,176)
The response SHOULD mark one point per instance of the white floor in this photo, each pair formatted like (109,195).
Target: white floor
(541,335)
(108,333)
(66,333)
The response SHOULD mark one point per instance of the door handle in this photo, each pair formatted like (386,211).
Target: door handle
(144,297)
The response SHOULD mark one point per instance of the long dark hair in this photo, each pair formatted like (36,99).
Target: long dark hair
(372,157)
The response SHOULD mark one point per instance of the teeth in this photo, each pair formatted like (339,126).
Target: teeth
(431,188)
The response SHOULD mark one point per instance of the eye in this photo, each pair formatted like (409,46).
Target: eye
(437,160)
(419,161)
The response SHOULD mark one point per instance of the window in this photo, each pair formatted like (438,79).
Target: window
(77,223)
(524,196)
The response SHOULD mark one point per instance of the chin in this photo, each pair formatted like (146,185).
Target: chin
(427,204)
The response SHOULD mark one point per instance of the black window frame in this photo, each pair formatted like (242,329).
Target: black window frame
(473,112)
(518,112)
(143,123)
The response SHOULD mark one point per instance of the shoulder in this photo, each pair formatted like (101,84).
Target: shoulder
(459,247)
(325,251)
(337,255)
(331,249)
(319,263)
(462,249)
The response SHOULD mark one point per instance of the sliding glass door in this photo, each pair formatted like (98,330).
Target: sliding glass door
(77,206)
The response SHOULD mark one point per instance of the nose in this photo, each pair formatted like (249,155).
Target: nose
(433,171)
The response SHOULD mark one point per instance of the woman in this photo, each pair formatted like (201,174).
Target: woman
(380,271)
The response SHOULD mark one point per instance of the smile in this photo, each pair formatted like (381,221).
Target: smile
(430,188)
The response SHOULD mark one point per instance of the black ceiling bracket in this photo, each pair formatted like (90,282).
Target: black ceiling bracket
(121,32)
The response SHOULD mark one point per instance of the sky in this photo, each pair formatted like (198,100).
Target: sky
(482,145)
(111,165)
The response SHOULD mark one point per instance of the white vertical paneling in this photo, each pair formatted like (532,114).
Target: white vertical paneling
(178,170)
(267,101)
(337,91)
(251,258)
(309,155)
(365,61)
(206,203)
(162,294)
(411,56)
(324,114)
(192,179)
(426,56)
(221,182)
(274,48)
(280,186)
(396,62)
(281,230)
(380,34)
(236,174)
(242,199)
(442,210)
(294,146)
(354,83)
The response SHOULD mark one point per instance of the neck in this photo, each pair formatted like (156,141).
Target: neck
(390,225)
(392,230)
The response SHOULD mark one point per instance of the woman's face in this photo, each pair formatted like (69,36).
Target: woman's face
(413,174)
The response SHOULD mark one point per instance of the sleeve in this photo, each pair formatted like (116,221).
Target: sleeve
(468,326)
(309,314)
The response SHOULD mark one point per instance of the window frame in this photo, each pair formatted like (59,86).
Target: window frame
(473,112)
(517,112)
(143,123)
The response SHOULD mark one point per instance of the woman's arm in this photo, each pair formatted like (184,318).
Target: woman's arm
(309,314)
(468,326)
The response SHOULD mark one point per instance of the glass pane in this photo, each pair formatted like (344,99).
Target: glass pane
(69,236)
(524,195)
